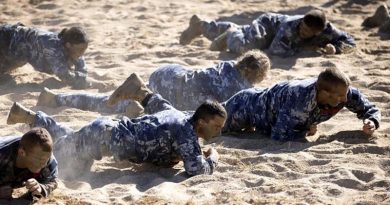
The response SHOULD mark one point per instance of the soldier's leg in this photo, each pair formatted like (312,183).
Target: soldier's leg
(154,103)
(134,88)
(20,114)
(76,152)
(7,62)
(238,42)
(210,30)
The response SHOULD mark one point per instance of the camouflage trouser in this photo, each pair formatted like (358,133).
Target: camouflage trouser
(7,62)
(91,102)
(123,142)
(77,147)
(236,40)
(157,103)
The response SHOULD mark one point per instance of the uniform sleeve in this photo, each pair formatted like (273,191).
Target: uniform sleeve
(292,117)
(282,45)
(49,182)
(194,161)
(80,66)
(341,40)
(60,68)
(363,108)
(289,124)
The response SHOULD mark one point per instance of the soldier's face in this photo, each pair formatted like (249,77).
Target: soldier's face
(75,51)
(35,159)
(254,76)
(213,127)
(337,95)
(307,32)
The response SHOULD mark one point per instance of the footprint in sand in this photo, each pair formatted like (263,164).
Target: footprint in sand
(278,168)
(370,149)
(319,162)
(264,173)
(253,183)
(385,166)
(363,175)
(380,184)
(350,184)
(334,192)
(47,6)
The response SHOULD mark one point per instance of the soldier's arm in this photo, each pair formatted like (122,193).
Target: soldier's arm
(363,108)
(342,41)
(80,65)
(194,162)
(287,127)
(49,183)
(281,44)
(60,68)
(81,70)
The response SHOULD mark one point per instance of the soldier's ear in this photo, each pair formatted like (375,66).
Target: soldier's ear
(202,122)
(22,152)
(68,45)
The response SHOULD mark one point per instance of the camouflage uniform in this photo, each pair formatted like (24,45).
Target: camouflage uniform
(278,33)
(90,102)
(185,89)
(42,49)
(14,177)
(162,138)
(287,110)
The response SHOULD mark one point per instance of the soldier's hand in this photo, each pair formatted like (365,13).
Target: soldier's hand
(368,127)
(6,192)
(330,49)
(33,186)
(312,131)
(212,153)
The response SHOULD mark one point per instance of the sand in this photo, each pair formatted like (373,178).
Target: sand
(340,165)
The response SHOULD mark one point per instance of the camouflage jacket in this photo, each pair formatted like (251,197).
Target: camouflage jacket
(281,33)
(164,138)
(288,109)
(44,51)
(187,89)
(14,177)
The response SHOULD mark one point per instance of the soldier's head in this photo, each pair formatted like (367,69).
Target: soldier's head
(75,41)
(313,24)
(35,149)
(209,119)
(332,87)
(253,66)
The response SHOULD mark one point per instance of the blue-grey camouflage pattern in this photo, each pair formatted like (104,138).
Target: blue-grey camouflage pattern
(44,50)
(14,177)
(277,32)
(187,89)
(91,102)
(288,109)
(163,138)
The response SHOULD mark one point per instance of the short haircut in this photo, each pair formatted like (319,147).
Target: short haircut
(37,136)
(330,78)
(209,110)
(315,19)
(254,60)
(73,35)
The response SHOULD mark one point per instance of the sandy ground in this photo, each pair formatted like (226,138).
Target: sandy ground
(339,166)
